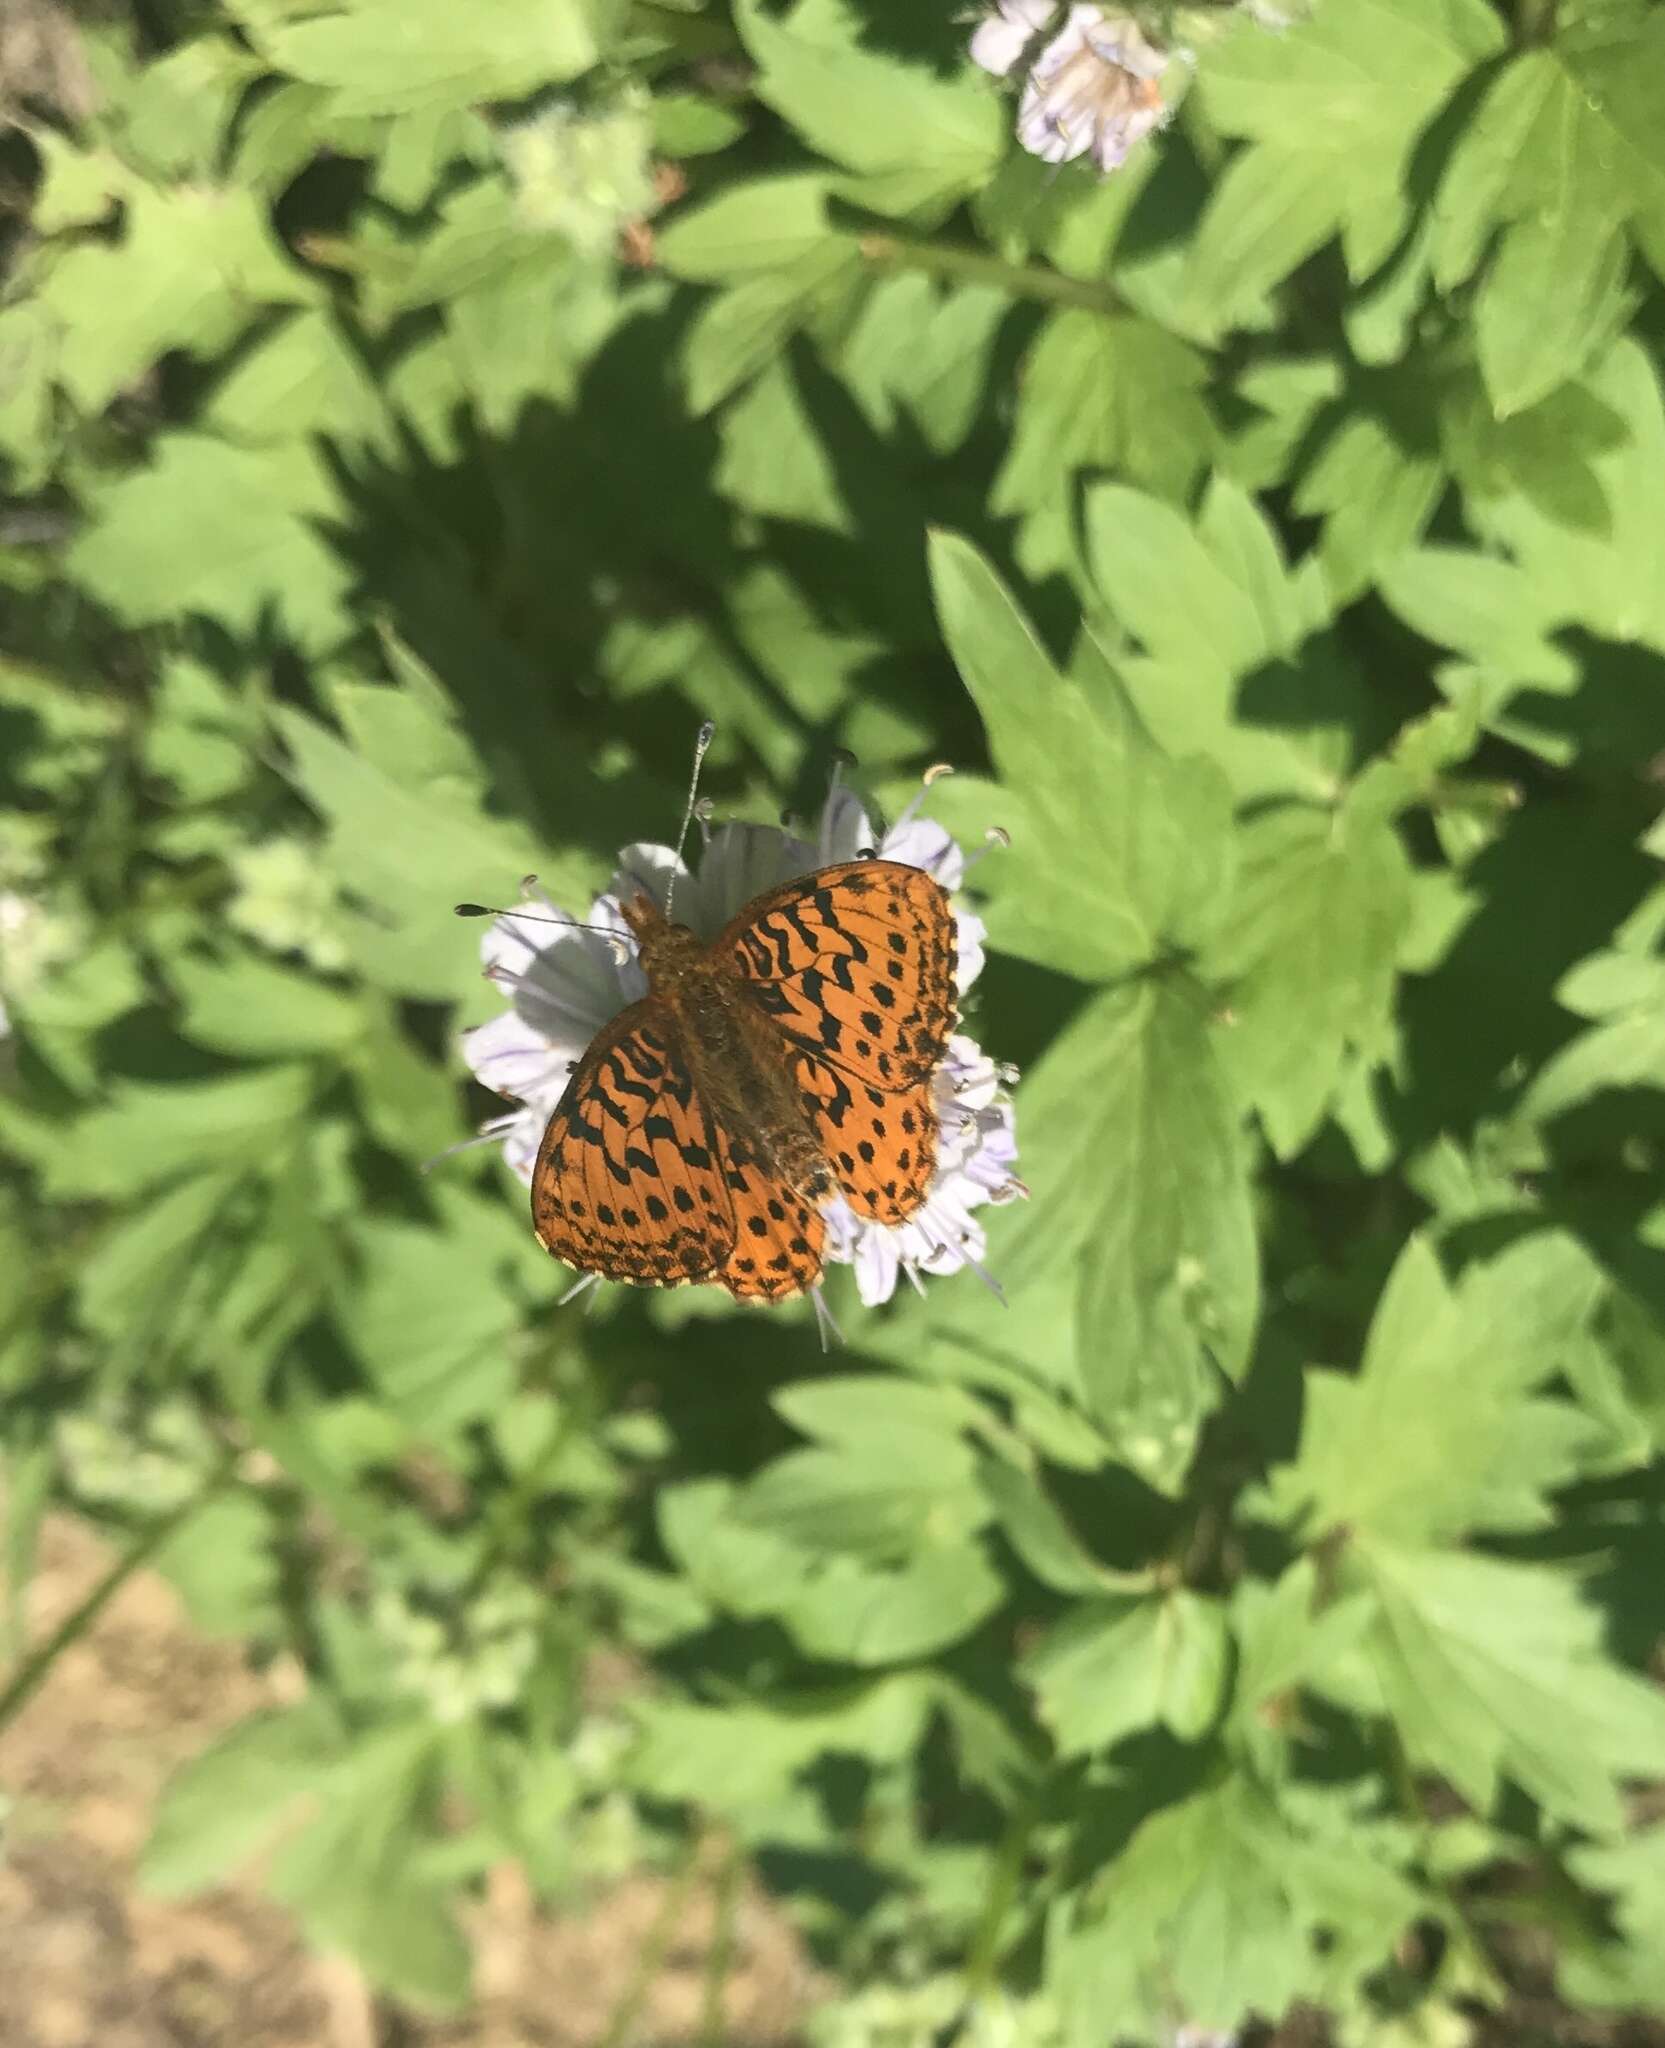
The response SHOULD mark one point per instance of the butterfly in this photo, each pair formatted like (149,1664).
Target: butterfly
(788,1061)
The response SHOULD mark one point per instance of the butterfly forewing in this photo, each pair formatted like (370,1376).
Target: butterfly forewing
(846,982)
(856,965)
(628,1182)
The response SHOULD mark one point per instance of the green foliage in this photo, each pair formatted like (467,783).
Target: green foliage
(414,420)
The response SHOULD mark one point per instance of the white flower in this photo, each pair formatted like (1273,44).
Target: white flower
(1094,88)
(583,175)
(563,989)
(998,43)
(33,941)
(287,900)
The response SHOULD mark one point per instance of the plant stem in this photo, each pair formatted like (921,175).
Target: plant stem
(974,266)
(1003,1889)
(1402,1777)
(651,1955)
(1534,23)
(722,1950)
(31,1673)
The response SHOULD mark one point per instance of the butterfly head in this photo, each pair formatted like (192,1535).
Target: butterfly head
(660,945)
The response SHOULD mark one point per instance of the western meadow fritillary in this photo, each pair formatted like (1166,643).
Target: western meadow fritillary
(788,1061)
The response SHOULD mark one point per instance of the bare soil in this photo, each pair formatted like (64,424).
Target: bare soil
(86,1958)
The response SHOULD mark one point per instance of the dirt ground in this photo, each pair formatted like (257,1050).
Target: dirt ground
(86,1961)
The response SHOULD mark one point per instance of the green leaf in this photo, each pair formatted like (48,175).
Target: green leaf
(1495,1670)
(919,139)
(1273,207)
(654,1608)
(1392,1452)
(197,736)
(1559,155)
(222,1809)
(758,225)
(1102,393)
(1037,1531)
(855,1408)
(1118,1666)
(228,532)
(1309,962)
(194,264)
(741,1755)
(354,1877)
(1485,608)
(1631,1972)
(1624,994)
(412,56)
(926,351)
(774,462)
(304,377)
(1145,1197)
(224,1564)
(150,1134)
(1334,109)
(175,115)
(857,1614)
(686,125)
(740,330)
(409,832)
(134,1278)
(1220,616)
(1376,491)
(246,1005)
(744,1569)
(1288,1635)
(1210,1906)
(1119,853)
(1600,577)
(873,1497)
(429,1330)
(1170,1295)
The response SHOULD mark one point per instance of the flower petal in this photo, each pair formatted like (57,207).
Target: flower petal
(846,830)
(512,1057)
(740,863)
(997,45)
(923,843)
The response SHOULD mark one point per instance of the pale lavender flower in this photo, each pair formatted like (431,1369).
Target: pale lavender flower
(565,986)
(1093,89)
(1000,40)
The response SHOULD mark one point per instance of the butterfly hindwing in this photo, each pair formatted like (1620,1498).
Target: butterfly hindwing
(628,1182)
(855,964)
(882,1149)
(778,1235)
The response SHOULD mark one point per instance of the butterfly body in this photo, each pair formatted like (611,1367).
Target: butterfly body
(788,1060)
(733,1051)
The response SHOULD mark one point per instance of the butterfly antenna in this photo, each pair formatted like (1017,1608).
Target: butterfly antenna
(707,733)
(567,924)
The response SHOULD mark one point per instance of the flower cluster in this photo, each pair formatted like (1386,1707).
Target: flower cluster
(461,1657)
(564,990)
(583,175)
(1091,88)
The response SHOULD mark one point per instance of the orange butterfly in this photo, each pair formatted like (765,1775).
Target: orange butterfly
(788,1061)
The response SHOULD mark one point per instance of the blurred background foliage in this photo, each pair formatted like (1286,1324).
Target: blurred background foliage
(415,418)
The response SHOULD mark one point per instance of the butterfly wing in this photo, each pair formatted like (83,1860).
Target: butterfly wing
(778,1236)
(882,1148)
(628,1182)
(855,965)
